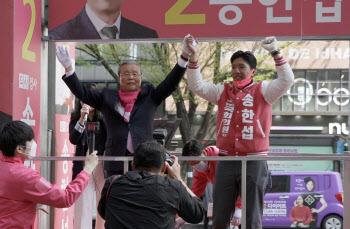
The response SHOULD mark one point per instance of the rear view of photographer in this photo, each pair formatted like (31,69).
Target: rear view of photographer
(144,197)
(83,207)
(22,188)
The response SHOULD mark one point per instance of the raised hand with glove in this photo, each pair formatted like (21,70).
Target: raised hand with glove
(270,45)
(64,58)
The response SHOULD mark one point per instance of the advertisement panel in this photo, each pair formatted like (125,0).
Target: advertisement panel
(6,63)
(210,19)
(300,165)
(26,65)
(64,101)
(63,169)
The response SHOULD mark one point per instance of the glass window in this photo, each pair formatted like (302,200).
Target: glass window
(280,184)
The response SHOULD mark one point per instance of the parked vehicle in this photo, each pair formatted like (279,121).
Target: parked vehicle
(319,201)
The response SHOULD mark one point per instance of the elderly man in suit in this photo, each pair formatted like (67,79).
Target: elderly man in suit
(129,112)
(101,19)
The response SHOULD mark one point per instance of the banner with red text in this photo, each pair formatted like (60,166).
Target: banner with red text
(64,102)
(63,169)
(26,65)
(202,18)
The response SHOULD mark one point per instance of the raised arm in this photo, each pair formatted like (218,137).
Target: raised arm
(273,90)
(38,189)
(207,90)
(171,82)
(90,97)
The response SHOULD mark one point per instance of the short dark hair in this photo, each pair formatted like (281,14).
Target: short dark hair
(13,134)
(149,156)
(129,62)
(247,56)
(193,147)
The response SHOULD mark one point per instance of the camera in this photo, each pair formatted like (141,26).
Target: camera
(169,159)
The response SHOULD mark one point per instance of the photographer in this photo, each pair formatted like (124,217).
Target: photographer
(145,198)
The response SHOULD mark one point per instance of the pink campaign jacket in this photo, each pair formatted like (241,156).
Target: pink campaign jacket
(22,188)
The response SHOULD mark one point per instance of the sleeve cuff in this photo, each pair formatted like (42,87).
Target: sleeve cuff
(79,127)
(238,213)
(69,73)
(182,63)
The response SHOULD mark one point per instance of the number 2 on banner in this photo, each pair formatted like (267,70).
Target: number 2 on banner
(26,54)
(174,17)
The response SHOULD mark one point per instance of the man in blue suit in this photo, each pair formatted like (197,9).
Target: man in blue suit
(101,19)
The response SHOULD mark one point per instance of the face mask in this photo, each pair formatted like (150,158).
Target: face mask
(201,166)
(245,82)
(32,152)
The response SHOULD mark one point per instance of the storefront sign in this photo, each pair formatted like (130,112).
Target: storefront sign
(211,18)
(303,99)
(340,128)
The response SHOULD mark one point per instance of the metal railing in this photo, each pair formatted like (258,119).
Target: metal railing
(272,157)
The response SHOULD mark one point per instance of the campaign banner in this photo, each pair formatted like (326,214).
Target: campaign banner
(64,101)
(78,20)
(6,63)
(26,70)
(26,66)
(63,169)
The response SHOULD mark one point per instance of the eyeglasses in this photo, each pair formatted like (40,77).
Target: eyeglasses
(127,74)
(26,147)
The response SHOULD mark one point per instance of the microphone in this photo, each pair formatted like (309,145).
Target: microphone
(86,115)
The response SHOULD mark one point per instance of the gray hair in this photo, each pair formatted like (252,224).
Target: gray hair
(129,62)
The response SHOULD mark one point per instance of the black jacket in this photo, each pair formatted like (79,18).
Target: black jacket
(138,200)
(80,140)
(141,118)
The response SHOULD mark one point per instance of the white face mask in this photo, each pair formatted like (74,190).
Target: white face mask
(32,152)
(201,166)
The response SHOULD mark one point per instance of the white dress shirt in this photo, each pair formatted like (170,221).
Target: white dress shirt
(99,24)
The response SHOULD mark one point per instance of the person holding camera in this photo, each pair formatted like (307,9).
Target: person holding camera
(144,197)
(22,188)
(79,136)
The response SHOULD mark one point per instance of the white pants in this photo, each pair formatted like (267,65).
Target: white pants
(83,207)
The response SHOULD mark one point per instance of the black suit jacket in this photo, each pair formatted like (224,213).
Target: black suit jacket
(81,142)
(81,27)
(141,118)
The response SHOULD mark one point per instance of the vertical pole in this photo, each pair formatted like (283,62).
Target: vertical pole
(243,194)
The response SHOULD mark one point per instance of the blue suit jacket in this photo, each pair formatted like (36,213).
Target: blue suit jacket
(142,115)
(81,27)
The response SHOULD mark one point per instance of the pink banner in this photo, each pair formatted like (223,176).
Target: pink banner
(209,18)
(6,57)
(63,170)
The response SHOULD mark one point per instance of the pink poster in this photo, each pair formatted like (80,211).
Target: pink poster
(84,19)
(63,169)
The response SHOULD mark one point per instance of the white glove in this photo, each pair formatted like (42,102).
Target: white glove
(270,44)
(179,222)
(185,46)
(236,220)
(63,56)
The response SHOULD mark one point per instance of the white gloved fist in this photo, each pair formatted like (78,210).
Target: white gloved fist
(270,44)
(179,222)
(236,219)
(63,56)
(185,46)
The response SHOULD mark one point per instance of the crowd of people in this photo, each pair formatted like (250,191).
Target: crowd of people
(144,197)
